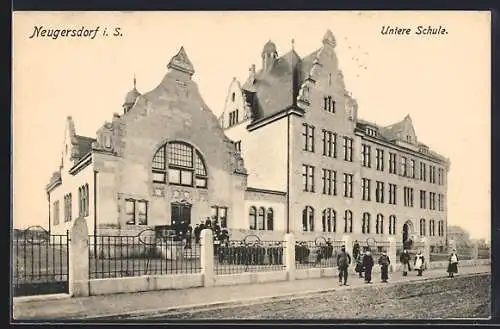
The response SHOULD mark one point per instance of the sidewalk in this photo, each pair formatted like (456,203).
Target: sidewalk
(95,307)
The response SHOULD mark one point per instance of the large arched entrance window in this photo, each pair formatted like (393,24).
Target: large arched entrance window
(184,164)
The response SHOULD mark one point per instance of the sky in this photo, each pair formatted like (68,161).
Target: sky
(441,81)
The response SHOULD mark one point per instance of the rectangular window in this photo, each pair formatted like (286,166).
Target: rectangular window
(308,134)
(423,171)
(379,193)
(412,168)
(432,201)
(142,212)
(136,212)
(408,196)
(403,171)
(366,189)
(380,159)
(130,211)
(219,215)
(392,193)
(432,174)
(329,104)
(348,149)
(329,182)
(348,185)
(366,156)
(55,211)
(308,178)
(392,163)
(329,143)
(423,198)
(68,207)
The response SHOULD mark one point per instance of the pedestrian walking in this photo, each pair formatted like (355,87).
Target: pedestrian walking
(384,263)
(419,263)
(368,266)
(343,262)
(452,264)
(405,262)
(359,264)
(355,249)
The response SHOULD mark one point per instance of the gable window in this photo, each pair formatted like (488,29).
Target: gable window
(233,117)
(348,149)
(380,160)
(308,219)
(329,104)
(308,134)
(233,96)
(185,165)
(348,221)
(136,212)
(329,143)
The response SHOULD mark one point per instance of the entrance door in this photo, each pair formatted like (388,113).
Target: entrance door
(405,233)
(180,216)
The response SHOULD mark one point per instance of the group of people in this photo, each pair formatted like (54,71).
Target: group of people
(250,254)
(365,263)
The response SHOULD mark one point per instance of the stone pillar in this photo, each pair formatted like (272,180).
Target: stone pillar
(207,258)
(78,267)
(290,255)
(391,252)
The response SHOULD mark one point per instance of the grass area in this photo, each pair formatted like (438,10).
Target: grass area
(460,297)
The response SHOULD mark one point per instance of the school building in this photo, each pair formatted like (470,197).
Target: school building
(288,154)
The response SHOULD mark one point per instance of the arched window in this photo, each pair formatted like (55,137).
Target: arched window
(329,220)
(365,228)
(308,219)
(252,218)
(185,165)
(432,228)
(233,96)
(261,218)
(270,219)
(392,224)
(380,224)
(348,221)
(422,226)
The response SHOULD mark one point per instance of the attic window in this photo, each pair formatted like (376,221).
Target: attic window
(371,132)
(233,96)
(408,138)
(329,104)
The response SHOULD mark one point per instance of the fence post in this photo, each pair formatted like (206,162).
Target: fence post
(78,260)
(207,257)
(290,256)
(391,252)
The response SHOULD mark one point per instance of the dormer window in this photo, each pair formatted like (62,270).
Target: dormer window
(371,132)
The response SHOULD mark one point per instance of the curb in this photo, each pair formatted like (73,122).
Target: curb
(37,298)
(249,301)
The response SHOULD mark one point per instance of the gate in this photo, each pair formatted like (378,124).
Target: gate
(39,262)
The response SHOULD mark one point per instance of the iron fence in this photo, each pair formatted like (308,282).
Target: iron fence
(320,253)
(249,255)
(145,254)
(39,263)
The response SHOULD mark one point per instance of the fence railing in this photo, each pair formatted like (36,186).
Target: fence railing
(320,253)
(239,256)
(40,263)
(122,256)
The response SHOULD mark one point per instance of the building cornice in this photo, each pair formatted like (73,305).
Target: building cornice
(291,110)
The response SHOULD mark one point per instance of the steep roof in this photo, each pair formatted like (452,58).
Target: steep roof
(84,145)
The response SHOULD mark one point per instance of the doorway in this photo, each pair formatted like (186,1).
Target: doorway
(180,216)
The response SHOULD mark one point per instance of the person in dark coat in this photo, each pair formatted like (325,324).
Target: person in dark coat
(368,266)
(343,262)
(452,264)
(359,264)
(384,262)
(197,233)
(189,236)
(405,262)
(355,249)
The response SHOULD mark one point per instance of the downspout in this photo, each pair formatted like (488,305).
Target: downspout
(95,214)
